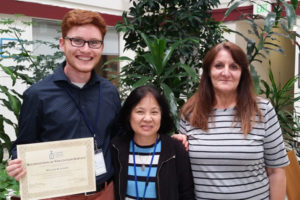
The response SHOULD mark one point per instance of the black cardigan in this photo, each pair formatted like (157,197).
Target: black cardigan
(174,176)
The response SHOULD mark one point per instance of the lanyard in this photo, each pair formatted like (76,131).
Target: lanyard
(87,121)
(135,176)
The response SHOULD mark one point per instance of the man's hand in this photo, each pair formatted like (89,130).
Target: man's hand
(183,139)
(15,169)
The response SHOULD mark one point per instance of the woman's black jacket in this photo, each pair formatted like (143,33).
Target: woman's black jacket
(174,176)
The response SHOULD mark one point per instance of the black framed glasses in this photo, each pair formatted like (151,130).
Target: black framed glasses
(77,42)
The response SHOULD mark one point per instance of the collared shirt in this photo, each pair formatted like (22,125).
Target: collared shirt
(48,113)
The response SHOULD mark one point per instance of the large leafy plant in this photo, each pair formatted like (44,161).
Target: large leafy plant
(283,99)
(173,20)
(159,58)
(161,74)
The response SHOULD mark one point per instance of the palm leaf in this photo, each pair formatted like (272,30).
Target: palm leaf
(233,7)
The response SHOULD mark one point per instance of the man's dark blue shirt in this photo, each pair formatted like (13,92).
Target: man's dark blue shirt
(48,113)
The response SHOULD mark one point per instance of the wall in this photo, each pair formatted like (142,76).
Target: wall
(224,4)
(229,36)
(113,7)
(297,65)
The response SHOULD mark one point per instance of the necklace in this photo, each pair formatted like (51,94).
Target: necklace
(144,159)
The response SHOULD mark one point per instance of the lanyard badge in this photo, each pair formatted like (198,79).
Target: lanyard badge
(100,167)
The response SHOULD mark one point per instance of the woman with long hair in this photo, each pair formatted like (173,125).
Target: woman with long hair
(236,147)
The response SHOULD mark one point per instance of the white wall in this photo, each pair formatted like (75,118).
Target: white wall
(224,4)
(128,53)
(111,42)
(297,64)
(230,36)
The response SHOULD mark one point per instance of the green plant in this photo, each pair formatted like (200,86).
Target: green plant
(160,73)
(282,98)
(167,24)
(7,183)
(173,20)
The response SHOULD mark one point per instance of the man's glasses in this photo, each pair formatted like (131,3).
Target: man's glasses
(77,42)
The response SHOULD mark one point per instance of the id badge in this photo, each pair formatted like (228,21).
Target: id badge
(100,167)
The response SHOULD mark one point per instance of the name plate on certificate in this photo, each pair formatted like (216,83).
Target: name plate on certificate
(57,168)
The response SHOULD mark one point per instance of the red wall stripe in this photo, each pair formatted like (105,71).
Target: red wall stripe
(218,14)
(44,11)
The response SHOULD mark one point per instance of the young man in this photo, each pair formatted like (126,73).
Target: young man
(73,102)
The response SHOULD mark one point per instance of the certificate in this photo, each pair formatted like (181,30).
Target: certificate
(57,168)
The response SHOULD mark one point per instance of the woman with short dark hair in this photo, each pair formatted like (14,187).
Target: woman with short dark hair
(148,163)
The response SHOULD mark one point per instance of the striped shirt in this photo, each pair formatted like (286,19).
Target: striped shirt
(143,155)
(228,165)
